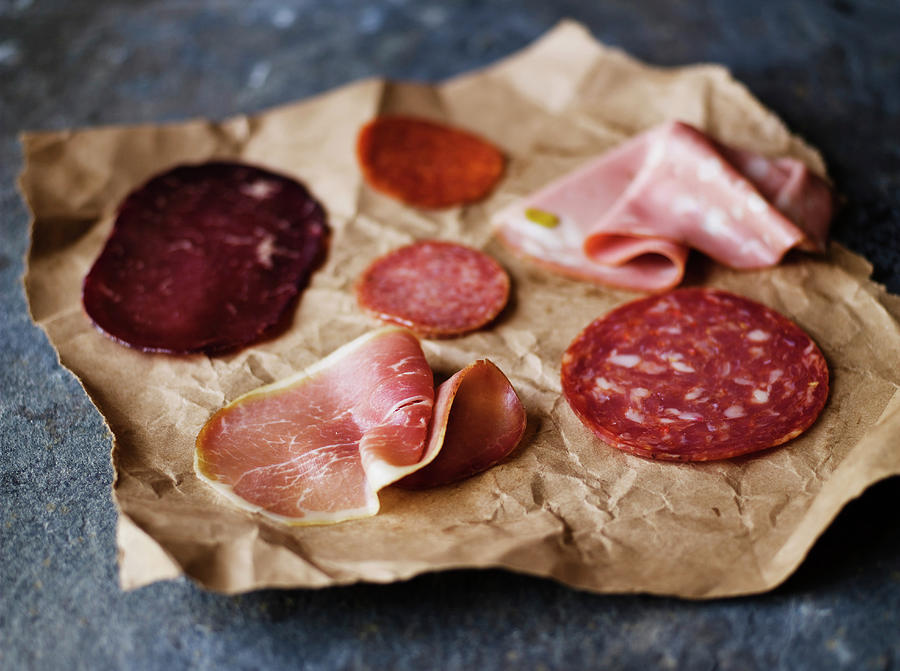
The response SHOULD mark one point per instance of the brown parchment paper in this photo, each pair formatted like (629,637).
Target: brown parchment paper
(563,505)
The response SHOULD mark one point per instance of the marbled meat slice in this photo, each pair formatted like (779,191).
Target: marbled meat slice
(205,258)
(628,217)
(427,164)
(437,289)
(316,448)
(478,421)
(694,375)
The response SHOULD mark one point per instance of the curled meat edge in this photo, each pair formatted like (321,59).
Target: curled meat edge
(486,397)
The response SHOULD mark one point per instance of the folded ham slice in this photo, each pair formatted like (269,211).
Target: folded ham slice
(628,217)
(317,447)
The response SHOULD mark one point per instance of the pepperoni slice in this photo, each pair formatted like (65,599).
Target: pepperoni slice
(437,289)
(695,375)
(425,164)
(205,258)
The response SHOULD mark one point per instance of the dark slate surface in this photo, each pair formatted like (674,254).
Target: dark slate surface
(831,69)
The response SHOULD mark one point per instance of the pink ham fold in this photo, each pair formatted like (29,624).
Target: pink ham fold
(629,217)
(317,447)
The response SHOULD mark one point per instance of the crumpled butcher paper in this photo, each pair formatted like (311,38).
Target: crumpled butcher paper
(564,505)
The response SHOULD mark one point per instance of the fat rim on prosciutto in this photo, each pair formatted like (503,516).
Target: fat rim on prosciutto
(205,258)
(695,375)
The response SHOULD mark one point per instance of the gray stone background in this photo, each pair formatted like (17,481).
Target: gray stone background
(830,69)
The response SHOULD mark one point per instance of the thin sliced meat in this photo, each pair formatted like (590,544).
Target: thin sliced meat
(437,289)
(478,421)
(205,258)
(317,447)
(695,375)
(427,164)
(628,218)
(799,194)
(688,192)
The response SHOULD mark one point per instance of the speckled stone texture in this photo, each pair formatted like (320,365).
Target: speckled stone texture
(830,69)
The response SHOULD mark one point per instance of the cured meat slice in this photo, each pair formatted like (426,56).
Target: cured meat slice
(688,192)
(478,420)
(205,258)
(629,217)
(694,375)
(799,194)
(317,447)
(427,164)
(437,289)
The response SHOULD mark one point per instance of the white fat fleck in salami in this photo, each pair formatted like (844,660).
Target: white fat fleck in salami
(624,360)
(695,375)
(652,368)
(694,394)
(634,415)
(760,396)
(603,384)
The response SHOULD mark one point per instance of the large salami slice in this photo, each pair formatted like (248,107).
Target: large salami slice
(426,164)
(695,375)
(205,258)
(437,289)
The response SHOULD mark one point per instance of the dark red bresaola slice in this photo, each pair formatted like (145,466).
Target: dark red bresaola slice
(695,375)
(205,258)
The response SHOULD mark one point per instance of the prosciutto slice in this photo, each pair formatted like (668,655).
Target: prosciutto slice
(478,420)
(629,217)
(317,447)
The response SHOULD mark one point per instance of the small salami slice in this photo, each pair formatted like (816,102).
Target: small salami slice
(694,375)
(426,164)
(437,289)
(205,258)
